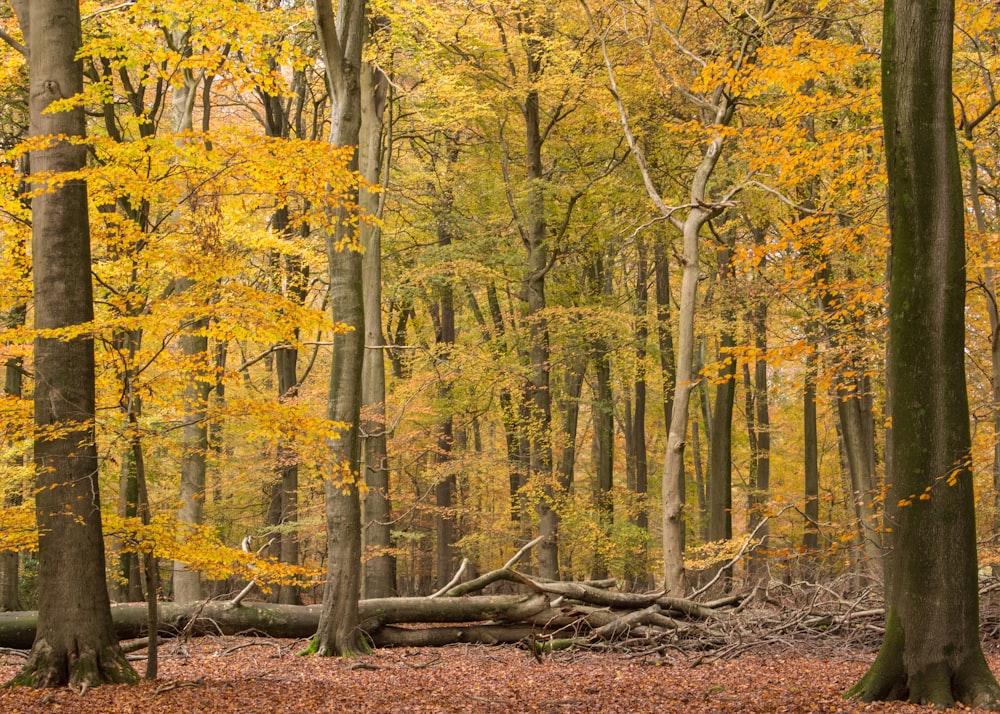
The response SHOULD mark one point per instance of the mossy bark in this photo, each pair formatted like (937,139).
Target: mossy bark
(74,640)
(931,652)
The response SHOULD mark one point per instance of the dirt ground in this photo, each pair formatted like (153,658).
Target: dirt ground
(249,675)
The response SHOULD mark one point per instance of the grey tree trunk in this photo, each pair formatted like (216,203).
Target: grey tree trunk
(10,559)
(380,566)
(194,345)
(931,651)
(341,35)
(74,641)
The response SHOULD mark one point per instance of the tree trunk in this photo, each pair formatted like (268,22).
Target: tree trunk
(720,470)
(602,410)
(758,420)
(13,384)
(810,539)
(341,36)
(992,311)
(290,278)
(194,346)
(380,565)
(533,293)
(931,651)
(444,490)
(74,642)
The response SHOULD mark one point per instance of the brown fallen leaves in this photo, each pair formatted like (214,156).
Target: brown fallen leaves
(262,675)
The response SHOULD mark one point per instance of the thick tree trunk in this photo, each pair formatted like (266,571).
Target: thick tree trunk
(74,642)
(341,36)
(931,651)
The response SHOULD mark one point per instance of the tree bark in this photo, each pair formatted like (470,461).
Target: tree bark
(602,409)
(74,642)
(810,539)
(13,383)
(341,36)
(194,346)
(535,234)
(931,651)
(444,490)
(758,421)
(380,566)
(720,453)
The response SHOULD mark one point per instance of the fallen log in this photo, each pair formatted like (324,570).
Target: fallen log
(17,629)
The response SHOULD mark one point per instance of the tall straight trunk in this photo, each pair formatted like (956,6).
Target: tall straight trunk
(444,490)
(194,458)
(602,410)
(291,278)
(13,388)
(857,449)
(380,565)
(810,438)
(990,287)
(636,434)
(570,404)
(341,35)
(720,472)
(603,451)
(74,640)
(287,481)
(758,421)
(664,335)
(533,293)
(510,403)
(194,347)
(931,651)
(854,428)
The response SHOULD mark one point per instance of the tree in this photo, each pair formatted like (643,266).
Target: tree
(75,641)
(341,36)
(931,651)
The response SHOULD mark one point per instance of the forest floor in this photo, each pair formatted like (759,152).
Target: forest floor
(262,675)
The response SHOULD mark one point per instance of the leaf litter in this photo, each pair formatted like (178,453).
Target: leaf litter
(250,675)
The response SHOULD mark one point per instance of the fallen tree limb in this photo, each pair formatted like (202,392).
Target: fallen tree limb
(17,629)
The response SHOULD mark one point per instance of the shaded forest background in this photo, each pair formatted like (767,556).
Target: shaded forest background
(534,177)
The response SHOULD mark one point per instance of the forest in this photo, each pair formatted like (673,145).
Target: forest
(366,303)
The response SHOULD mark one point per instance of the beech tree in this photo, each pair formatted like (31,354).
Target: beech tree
(931,651)
(75,641)
(341,35)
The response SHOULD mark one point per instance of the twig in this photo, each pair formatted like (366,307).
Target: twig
(735,559)
(454,581)
(524,549)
